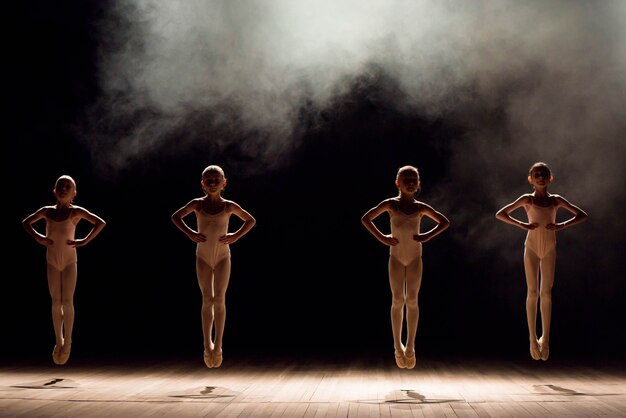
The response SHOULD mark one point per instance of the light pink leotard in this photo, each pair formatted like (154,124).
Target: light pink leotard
(404,227)
(60,254)
(541,240)
(212,227)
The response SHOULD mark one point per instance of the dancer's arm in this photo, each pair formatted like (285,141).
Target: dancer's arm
(442,223)
(28,222)
(248,223)
(97,222)
(579,214)
(178,219)
(368,221)
(504,214)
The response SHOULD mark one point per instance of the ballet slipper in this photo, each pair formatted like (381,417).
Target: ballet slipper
(535,351)
(217,358)
(55,354)
(544,350)
(64,356)
(400,359)
(410,360)
(208,358)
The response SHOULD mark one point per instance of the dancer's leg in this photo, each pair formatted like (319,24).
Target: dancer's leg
(413,283)
(205,280)
(54,287)
(220,284)
(548,264)
(68,287)
(397,273)
(531,269)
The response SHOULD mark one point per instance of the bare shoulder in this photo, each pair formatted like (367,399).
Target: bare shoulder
(80,212)
(424,205)
(195,204)
(231,205)
(525,199)
(388,205)
(560,200)
(425,208)
(44,212)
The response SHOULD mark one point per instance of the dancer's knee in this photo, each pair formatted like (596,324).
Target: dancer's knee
(68,305)
(546,295)
(397,302)
(219,301)
(532,294)
(411,303)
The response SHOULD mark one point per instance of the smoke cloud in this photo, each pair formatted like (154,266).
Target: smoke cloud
(527,81)
(224,73)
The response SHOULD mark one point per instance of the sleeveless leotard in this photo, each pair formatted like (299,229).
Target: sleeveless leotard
(212,227)
(404,227)
(541,240)
(60,254)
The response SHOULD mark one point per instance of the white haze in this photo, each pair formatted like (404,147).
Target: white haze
(179,72)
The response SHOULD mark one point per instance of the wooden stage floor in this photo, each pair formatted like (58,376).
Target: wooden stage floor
(288,388)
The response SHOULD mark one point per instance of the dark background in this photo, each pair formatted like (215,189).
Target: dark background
(308,279)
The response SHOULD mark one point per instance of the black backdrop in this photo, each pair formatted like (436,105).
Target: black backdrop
(308,279)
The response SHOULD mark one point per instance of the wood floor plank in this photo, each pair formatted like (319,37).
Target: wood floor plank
(318,390)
